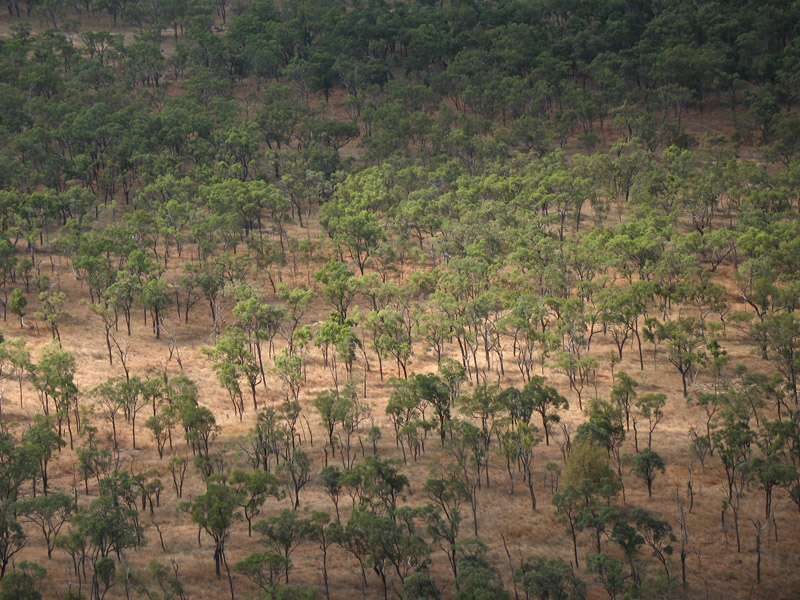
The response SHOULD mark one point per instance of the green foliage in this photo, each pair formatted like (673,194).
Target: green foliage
(24,583)
(44,443)
(646,465)
(477,579)
(12,537)
(609,571)
(546,401)
(214,512)
(550,579)
(50,513)
(18,304)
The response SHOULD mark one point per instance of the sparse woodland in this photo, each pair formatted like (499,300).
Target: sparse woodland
(416,300)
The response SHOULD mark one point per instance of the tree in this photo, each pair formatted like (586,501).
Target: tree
(391,337)
(233,362)
(54,380)
(605,430)
(443,516)
(646,465)
(12,537)
(295,473)
(110,524)
(254,489)
(43,443)
(339,286)
(164,581)
(589,486)
(546,401)
(768,474)
(516,446)
(476,577)
(781,333)
(685,339)
(568,506)
(284,533)
(332,478)
(132,399)
(155,298)
(49,513)
(24,583)
(200,427)
(110,402)
(609,571)
(52,312)
(19,357)
(18,304)
(92,460)
(467,451)
(261,323)
(624,394)
(17,465)
(383,484)
(349,217)
(732,440)
(297,300)
(214,512)
(328,406)
(264,570)
(420,586)
(650,408)
(342,337)
(441,390)
(549,579)
(657,534)
(289,369)
(160,426)
(322,532)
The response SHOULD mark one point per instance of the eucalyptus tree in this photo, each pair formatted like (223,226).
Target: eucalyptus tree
(546,401)
(54,380)
(623,394)
(589,486)
(649,407)
(392,338)
(525,322)
(49,513)
(350,217)
(516,446)
(297,302)
(284,533)
(234,363)
(12,536)
(295,472)
(733,440)
(215,512)
(261,322)
(255,489)
(342,338)
(467,452)
(550,578)
(685,340)
(443,515)
(781,334)
(646,465)
(339,287)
